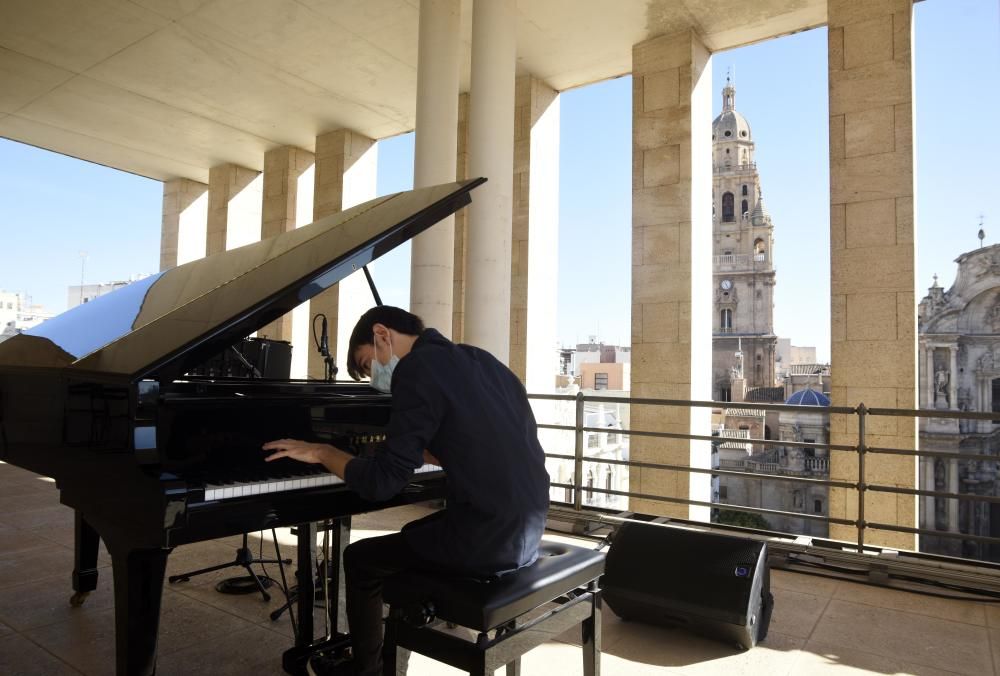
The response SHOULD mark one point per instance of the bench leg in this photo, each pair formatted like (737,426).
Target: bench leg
(591,630)
(514,668)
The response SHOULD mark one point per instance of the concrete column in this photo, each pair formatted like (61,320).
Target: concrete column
(872,254)
(535,234)
(953,377)
(491,146)
(461,223)
(671,265)
(288,197)
(953,502)
(235,194)
(432,256)
(346,164)
(182,232)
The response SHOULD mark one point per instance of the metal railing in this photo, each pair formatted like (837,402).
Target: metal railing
(767,471)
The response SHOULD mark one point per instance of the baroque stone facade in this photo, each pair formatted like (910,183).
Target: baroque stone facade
(743,263)
(959,335)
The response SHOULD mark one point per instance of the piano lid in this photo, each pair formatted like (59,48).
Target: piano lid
(162,325)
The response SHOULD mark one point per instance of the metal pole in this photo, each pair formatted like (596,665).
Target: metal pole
(862,449)
(578,455)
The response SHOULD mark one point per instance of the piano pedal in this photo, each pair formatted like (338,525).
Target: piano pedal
(77,599)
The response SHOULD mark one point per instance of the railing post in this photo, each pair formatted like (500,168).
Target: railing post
(578,455)
(862,411)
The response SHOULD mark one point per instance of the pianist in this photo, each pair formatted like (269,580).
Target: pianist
(456,406)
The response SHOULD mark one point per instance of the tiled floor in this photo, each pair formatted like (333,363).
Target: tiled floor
(820,626)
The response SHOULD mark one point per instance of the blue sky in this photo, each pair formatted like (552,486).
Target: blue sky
(54,207)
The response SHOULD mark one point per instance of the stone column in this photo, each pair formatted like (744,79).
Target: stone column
(182,231)
(953,502)
(534,234)
(432,257)
(346,164)
(288,198)
(234,207)
(491,154)
(929,505)
(671,266)
(872,255)
(929,376)
(461,223)
(953,378)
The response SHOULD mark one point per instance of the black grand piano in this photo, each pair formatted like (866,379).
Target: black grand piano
(150,458)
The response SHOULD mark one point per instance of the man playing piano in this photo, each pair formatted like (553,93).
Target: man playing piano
(456,406)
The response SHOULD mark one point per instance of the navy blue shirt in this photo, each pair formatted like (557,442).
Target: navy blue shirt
(472,413)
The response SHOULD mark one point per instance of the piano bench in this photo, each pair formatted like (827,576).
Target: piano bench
(564,576)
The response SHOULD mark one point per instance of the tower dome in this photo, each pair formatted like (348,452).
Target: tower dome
(808,397)
(730,125)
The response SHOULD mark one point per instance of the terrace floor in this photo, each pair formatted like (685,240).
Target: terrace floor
(820,625)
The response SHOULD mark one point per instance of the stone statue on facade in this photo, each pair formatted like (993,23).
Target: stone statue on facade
(941,388)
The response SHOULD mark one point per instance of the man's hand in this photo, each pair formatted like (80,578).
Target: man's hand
(303,451)
(329,456)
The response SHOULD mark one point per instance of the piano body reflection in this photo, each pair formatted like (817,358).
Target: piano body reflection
(150,459)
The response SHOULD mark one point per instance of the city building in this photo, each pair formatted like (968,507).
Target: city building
(743,262)
(959,367)
(735,452)
(18,313)
(79,294)
(601,370)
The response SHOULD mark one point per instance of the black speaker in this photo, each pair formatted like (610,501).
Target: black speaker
(716,585)
(250,358)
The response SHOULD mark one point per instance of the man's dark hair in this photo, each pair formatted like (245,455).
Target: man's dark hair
(392,317)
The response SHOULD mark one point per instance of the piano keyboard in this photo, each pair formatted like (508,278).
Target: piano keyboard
(313,477)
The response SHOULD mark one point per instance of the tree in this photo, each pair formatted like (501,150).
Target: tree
(742,519)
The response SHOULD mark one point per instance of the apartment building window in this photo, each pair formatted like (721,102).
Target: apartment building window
(600,381)
(593,441)
(818,506)
(723,492)
(726,322)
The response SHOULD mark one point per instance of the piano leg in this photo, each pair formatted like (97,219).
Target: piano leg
(138,591)
(340,537)
(295,659)
(86,545)
(306,583)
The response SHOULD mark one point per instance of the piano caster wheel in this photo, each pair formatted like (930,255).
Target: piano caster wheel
(77,599)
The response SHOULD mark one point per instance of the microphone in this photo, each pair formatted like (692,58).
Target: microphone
(324,339)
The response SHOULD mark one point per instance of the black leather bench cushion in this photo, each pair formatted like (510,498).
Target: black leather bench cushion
(486,605)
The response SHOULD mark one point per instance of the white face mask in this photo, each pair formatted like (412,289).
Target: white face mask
(381,378)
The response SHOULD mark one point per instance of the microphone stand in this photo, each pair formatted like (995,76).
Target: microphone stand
(323,345)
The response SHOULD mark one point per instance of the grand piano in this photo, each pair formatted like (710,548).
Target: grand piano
(151,458)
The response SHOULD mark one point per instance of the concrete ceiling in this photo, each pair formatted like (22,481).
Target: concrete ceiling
(169,88)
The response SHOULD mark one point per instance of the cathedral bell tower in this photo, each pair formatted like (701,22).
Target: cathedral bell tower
(743,263)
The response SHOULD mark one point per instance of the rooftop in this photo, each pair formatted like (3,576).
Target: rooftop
(820,625)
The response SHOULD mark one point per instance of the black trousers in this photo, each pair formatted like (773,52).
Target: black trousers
(367,563)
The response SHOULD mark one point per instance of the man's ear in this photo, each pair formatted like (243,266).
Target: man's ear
(381,330)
